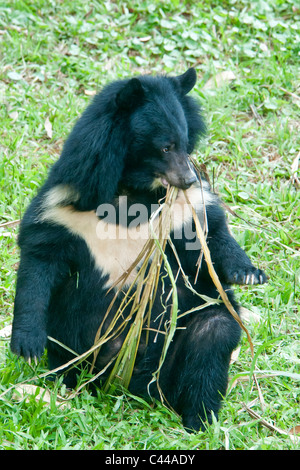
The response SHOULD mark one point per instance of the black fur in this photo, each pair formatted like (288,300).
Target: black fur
(131,141)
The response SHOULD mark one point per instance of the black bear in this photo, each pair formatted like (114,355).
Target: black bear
(132,141)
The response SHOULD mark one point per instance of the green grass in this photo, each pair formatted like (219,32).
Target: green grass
(52,54)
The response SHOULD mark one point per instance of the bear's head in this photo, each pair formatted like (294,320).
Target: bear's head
(164,125)
(137,132)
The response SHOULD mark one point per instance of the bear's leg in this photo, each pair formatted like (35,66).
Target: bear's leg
(195,375)
(57,357)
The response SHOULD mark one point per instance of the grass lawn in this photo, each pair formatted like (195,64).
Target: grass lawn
(53,56)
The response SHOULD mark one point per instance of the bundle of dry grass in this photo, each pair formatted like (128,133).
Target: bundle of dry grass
(142,291)
(140,297)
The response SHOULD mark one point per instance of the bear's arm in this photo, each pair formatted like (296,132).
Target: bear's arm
(41,269)
(230,261)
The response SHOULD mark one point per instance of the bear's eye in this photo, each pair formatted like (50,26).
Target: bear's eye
(165,149)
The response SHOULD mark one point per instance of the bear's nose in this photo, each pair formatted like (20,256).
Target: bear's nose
(189,179)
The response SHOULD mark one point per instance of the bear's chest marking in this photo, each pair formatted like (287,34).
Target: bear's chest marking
(114,247)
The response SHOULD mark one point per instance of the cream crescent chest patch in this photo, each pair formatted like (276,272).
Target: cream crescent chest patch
(114,247)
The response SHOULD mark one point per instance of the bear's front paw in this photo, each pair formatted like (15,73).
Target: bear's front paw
(246,276)
(29,345)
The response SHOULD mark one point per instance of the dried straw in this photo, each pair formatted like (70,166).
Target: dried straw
(141,295)
(214,275)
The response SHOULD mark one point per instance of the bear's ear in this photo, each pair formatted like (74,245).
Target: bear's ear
(131,95)
(187,80)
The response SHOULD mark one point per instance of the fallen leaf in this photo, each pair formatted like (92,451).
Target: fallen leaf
(6,332)
(247,315)
(295,430)
(235,355)
(48,128)
(14,76)
(145,39)
(90,92)
(14,115)
(219,80)
(22,391)
(294,170)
